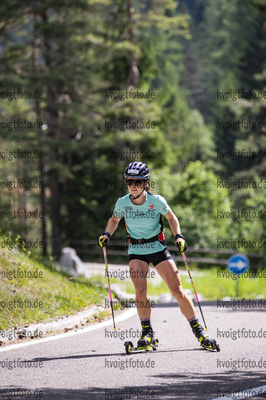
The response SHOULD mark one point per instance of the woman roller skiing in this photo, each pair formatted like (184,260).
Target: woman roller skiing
(143,212)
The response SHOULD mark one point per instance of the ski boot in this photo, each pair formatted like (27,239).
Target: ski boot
(146,338)
(145,343)
(205,340)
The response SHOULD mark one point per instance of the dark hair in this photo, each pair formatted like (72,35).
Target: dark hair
(147,187)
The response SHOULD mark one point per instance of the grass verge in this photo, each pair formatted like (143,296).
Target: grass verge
(32,292)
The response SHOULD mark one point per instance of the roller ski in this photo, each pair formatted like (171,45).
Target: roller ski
(145,343)
(205,340)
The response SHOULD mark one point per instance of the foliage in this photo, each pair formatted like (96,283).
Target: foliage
(196,200)
(83,57)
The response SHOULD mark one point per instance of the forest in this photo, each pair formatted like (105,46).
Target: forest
(87,87)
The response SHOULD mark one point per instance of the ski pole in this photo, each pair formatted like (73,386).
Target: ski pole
(185,261)
(110,293)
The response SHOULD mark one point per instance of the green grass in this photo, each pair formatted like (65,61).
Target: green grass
(58,293)
(212,286)
(209,283)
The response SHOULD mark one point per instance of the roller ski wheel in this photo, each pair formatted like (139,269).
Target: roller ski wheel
(143,348)
(129,347)
(205,340)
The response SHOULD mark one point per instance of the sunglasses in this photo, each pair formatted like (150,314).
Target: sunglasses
(135,182)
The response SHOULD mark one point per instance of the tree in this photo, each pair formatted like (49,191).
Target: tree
(196,199)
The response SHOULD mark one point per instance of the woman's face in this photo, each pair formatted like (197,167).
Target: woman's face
(135,186)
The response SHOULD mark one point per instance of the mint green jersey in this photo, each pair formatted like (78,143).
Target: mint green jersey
(143,221)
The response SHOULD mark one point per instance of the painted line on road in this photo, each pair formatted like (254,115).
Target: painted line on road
(128,314)
(244,393)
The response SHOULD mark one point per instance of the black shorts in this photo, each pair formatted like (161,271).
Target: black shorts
(154,258)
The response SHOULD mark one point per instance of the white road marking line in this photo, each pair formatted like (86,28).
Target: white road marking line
(128,314)
(244,393)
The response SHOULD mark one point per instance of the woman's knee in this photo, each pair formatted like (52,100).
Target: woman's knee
(141,291)
(178,292)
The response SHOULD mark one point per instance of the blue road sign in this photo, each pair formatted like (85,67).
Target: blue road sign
(238,264)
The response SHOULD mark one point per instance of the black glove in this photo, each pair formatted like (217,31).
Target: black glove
(180,243)
(104,239)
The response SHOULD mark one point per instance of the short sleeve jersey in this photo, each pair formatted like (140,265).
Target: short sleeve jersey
(143,221)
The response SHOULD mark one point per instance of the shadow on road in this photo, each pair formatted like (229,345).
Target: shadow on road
(180,386)
(96,355)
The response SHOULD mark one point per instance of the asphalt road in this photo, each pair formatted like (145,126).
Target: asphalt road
(94,365)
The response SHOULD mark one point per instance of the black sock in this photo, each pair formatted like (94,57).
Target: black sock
(145,325)
(194,323)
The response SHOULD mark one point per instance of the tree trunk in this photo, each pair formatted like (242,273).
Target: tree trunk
(52,116)
(41,168)
(133,76)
